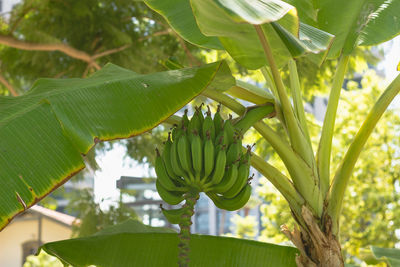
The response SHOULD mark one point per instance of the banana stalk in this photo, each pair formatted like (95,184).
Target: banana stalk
(184,224)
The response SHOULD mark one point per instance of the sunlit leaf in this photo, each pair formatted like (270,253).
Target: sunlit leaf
(179,15)
(364,22)
(255,11)
(391,255)
(232,22)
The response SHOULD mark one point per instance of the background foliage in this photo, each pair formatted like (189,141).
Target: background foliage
(369,216)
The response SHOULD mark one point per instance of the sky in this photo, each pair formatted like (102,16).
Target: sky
(113,164)
(389,64)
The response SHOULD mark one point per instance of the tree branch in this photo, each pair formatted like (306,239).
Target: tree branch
(167,31)
(8,86)
(118,49)
(68,50)
(111,51)
(192,59)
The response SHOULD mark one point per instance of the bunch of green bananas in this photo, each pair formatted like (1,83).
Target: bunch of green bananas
(204,155)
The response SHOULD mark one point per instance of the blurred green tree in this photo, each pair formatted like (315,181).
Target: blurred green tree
(372,201)
(74,38)
(41,260)
(91,218)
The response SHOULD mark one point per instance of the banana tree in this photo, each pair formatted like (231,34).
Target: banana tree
(45,132)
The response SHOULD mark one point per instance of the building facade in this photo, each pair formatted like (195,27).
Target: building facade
(28,231)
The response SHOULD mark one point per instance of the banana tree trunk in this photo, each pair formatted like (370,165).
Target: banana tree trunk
(317,245)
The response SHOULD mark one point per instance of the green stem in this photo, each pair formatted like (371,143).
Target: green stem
(325,144)
(252,115)
(268,78)
(266,72)
(280,181)
(250,93)
(296,136)
(185,223)
(300,172)
(298,99)
(343,173)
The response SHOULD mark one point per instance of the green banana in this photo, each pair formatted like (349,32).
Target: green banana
(208,156)
(194,124)
(173,135)
(247,155)
(221,143)
(243,175)
(208,125)
(171,197)
(166,156)
(176,132)
(199,113)
(176,166)
(241,180)
(239,138)
(174,216)
(229,130)
(219,169)
(220,140)
(218,121)
(185,119)
(233,152)
(234,203)
(197,154)
(163,176)
(204,154)
(184,153)
(227,181)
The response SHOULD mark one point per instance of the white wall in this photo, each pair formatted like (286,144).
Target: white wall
(18,232)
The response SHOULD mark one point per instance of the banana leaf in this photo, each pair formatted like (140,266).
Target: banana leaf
(361,22)
(45,132)
(129,244)
(389,255)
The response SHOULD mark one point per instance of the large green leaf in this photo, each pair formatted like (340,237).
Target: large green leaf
(364,22)
(44,132)
(240,39)
(203,22)
(130,246)
(255,11)
(178,14)
(390,255)
(306,10)
(232,22)
(310,39)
